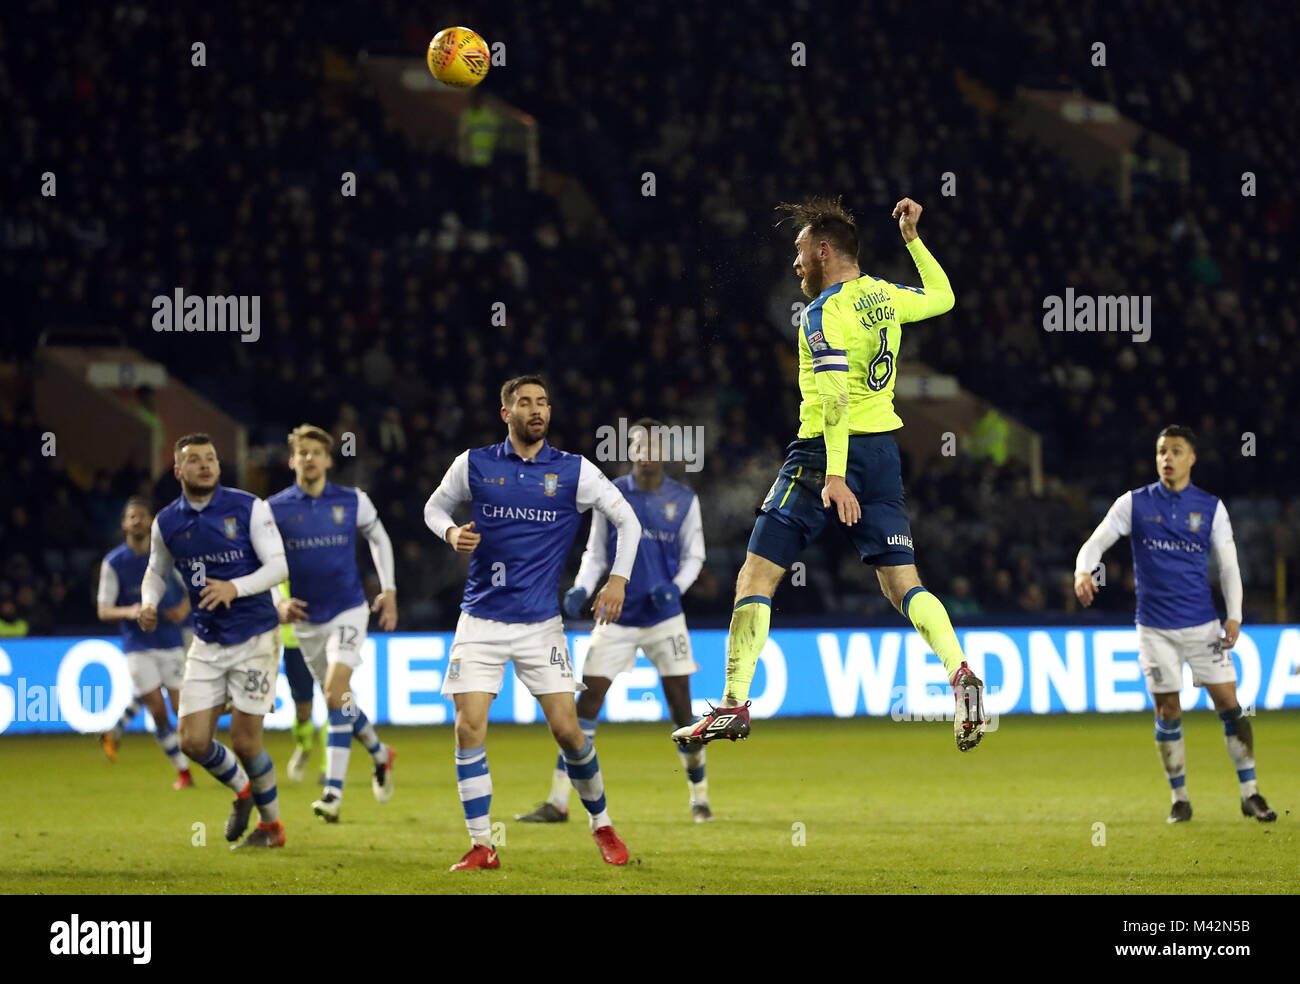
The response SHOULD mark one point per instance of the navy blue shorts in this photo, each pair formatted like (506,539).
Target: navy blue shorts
(792,515)
(300,678)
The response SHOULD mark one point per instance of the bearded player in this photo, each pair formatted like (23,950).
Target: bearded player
(526,501)
(225,544)
(844,465)
(319,522)
(1174,528)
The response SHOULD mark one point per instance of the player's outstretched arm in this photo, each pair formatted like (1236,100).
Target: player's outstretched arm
(935,296)
(1118,522)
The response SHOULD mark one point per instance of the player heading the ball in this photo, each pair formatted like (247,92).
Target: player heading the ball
(844,464)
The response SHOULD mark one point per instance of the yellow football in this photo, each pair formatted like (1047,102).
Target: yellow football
(459,57)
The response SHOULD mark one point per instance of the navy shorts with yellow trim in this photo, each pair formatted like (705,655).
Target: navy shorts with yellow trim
(792,515)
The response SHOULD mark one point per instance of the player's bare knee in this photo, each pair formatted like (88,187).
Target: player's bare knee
(246,747)
(470,734)
(1224,699)
(569,736)
(758,577)
(1167,707)
(194,744)
(896,582)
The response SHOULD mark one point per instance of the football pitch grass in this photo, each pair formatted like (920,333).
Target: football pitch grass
(804,806)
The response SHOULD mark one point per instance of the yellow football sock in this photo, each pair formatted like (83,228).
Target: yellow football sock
(930,618)
(749,624)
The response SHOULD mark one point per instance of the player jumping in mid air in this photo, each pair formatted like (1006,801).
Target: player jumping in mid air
(845,461)
(225,544)
(526,500)
(156,659)
(319,522)
(667,563)
(1174,527)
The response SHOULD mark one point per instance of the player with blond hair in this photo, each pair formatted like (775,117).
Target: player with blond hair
(319,522)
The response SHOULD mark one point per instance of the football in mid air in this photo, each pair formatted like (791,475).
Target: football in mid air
(458,57)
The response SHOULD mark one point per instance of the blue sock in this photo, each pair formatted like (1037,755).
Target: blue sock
(338,748)
(261,774)
(171,747)
(584,773)
(474,784)
(220,761)
(1173,756)
(364,732)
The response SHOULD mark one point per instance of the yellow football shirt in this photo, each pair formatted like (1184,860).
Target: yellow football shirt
(848,353)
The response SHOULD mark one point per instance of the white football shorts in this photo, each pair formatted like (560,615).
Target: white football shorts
(245,673)
(482,647)
(1162,653)
(337,641)
(666,644)
(154,668)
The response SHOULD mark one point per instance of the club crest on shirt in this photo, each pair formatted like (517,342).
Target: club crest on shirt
(1194,521)
(670,511)
(339,514)
(550,483)
(232,527)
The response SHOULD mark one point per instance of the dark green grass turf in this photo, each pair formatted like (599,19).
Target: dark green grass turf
(864,805)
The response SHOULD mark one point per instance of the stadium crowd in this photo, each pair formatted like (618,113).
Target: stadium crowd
(376,309)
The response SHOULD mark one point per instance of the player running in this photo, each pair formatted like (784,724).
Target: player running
(319,522)
(667,563)
(526,501)
(845,461)
(1174,528)
(156,659)
(226,545)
